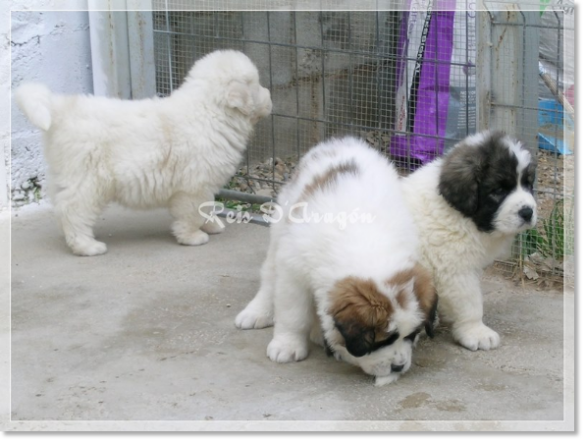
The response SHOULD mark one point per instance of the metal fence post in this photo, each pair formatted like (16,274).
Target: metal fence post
(141,51)
(483,69)
(507,71)
(110,59)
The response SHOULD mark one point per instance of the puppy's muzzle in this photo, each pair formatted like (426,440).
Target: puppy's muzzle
(526,214)
(397,368)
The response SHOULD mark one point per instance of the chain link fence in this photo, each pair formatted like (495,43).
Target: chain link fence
(411,83)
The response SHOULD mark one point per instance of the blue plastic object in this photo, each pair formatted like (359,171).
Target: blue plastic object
(550,121)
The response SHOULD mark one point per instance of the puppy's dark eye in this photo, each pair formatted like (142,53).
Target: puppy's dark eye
(411,337)
(388,341)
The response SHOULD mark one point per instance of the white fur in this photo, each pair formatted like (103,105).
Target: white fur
(522,155)
(477,138)
(174,152)
(507,221)
(35,101)
(456,252)
(306,259)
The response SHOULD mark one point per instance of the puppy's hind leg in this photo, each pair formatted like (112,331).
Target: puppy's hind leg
(185,208)
(78,209)
(211,225)
(259,311)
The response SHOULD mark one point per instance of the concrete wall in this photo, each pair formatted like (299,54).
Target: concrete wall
(52,47)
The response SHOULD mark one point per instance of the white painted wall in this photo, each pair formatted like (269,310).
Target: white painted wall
(52,47)
(4,107)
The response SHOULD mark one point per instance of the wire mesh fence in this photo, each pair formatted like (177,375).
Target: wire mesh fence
(533,99)
(405,82)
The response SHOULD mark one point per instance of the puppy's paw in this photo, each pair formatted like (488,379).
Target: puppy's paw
(287,350)
(89,248)
(476,337)
(193,239)
(251,318)
(385,380)
(212,228)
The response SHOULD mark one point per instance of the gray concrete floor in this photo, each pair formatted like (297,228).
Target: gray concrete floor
(145,333)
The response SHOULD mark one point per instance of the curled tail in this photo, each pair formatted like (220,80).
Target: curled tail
(34,100)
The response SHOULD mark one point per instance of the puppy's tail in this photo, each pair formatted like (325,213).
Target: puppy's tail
(34,100)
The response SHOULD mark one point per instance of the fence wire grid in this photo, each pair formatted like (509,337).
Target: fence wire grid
(334,73)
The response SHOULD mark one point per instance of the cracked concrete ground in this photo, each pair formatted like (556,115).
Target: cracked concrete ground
(145,333)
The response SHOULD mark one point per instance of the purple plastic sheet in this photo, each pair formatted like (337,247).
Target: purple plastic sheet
(423,118)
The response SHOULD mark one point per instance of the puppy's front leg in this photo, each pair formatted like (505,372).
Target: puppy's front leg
(293,317)
(184,207)
(260,310)
(461,303)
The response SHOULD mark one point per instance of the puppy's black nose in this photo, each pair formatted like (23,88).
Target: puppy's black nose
(526,213)
(396,368)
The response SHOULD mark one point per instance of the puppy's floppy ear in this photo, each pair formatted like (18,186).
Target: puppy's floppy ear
(361,314)
(417,281)
(459,180)
(238,96)
(425,293)
(432,316)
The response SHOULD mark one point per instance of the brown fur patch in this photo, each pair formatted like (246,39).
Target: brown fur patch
(401,278)
(321,181)
(424,290)
(402,299)
(313,156)
(328,178)
(360,308)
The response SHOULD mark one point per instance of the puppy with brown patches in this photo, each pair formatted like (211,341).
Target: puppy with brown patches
(342,266)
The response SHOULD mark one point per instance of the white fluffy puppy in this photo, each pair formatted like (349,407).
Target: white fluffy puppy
(174,152)
(468,207)
(342,265)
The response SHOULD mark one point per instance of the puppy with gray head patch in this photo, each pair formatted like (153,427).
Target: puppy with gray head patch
(468,207)
(342,266)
